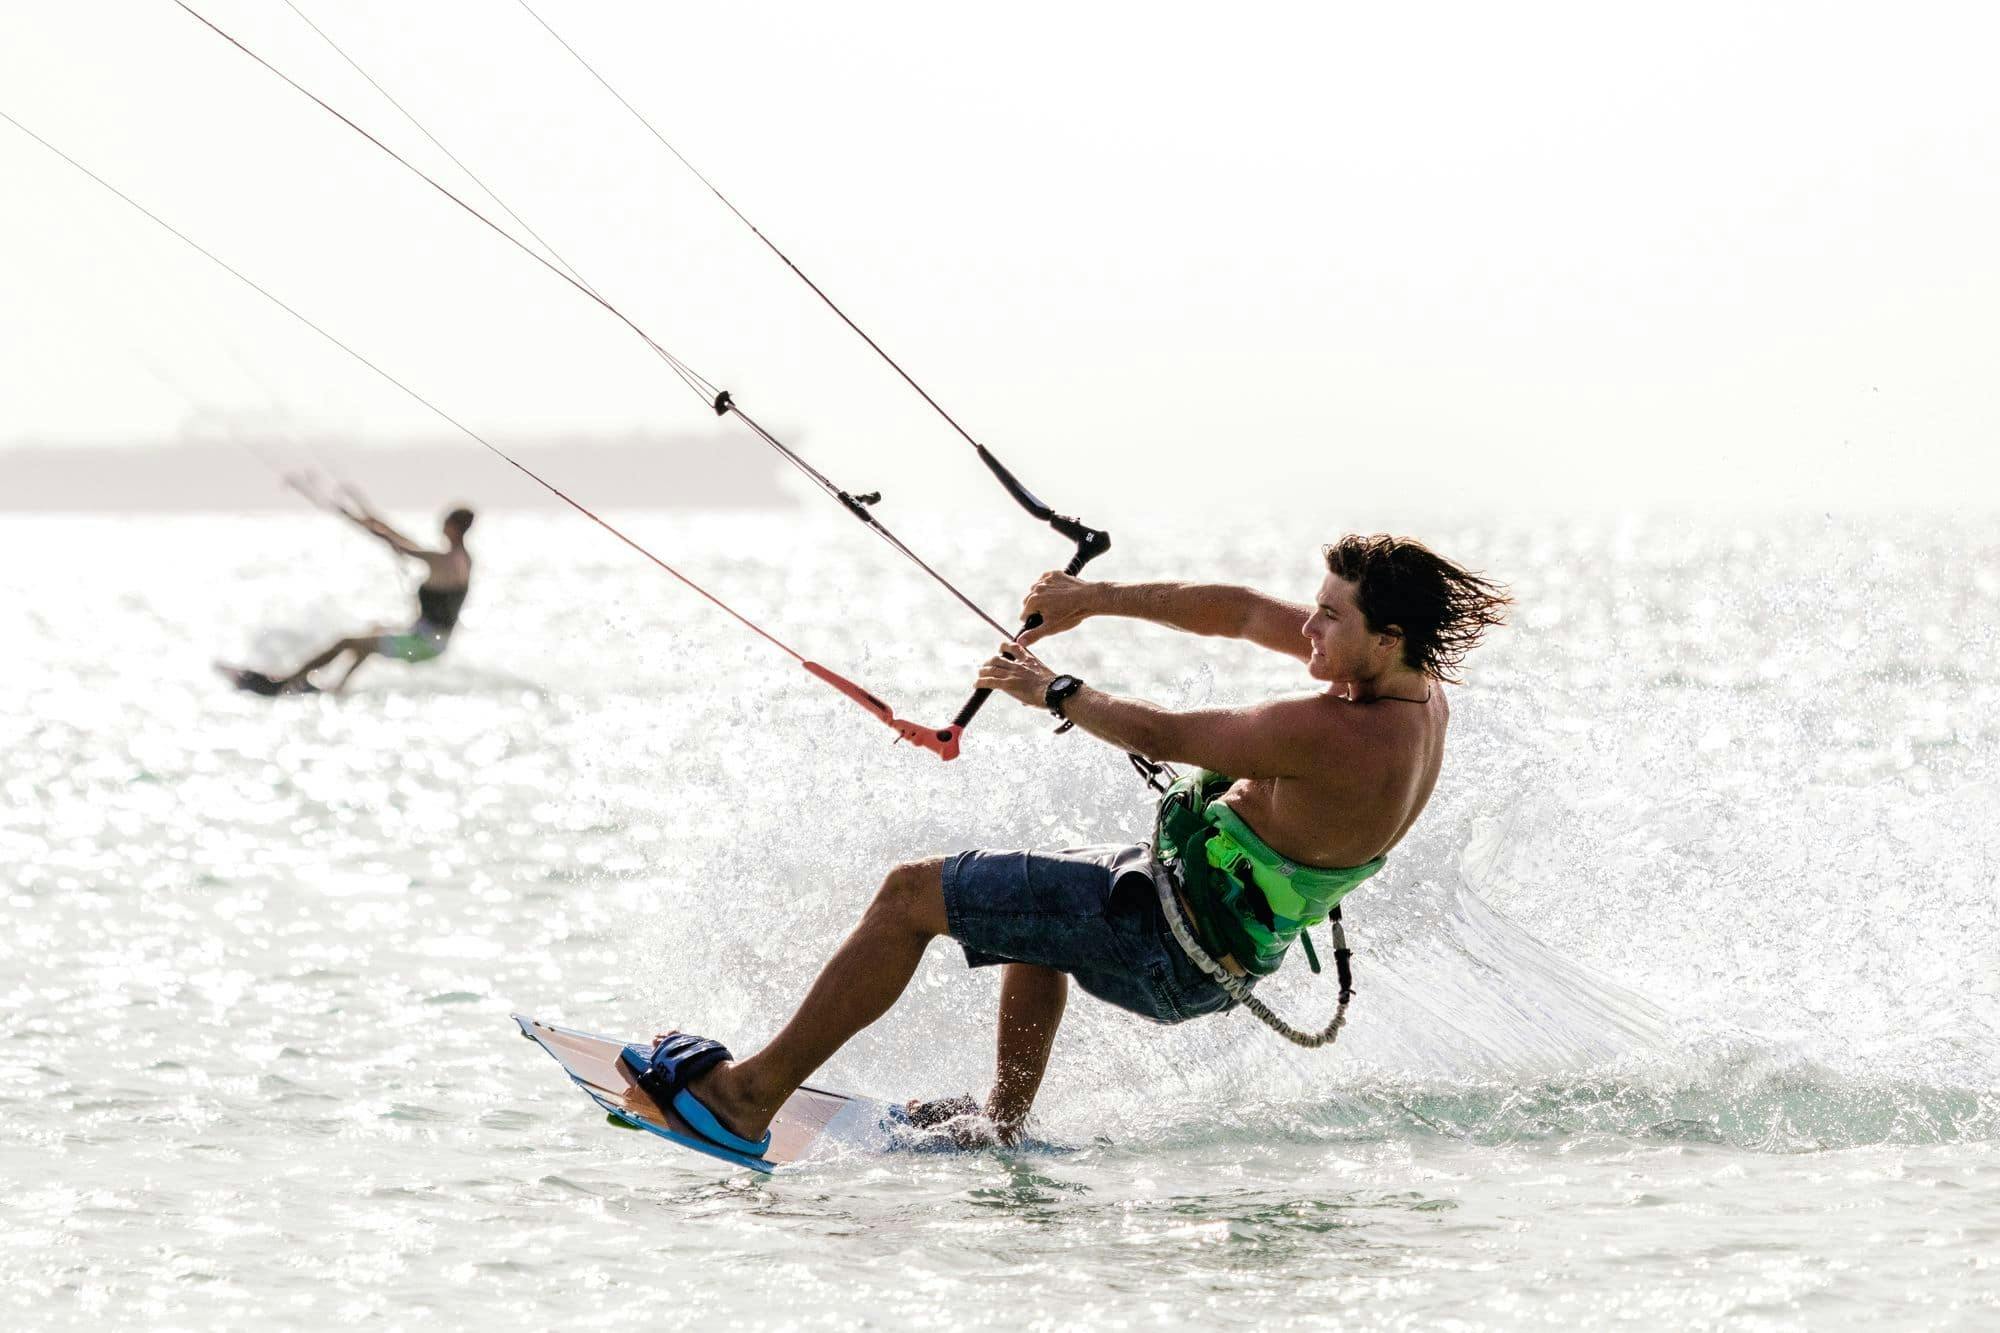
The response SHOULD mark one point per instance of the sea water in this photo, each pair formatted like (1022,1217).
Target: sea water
(1680,1006)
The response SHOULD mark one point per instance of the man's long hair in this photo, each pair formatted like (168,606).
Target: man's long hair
(1440,608)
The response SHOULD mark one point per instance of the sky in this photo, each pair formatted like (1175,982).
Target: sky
(1594,256)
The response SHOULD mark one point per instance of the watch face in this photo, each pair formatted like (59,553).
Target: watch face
(1058,692)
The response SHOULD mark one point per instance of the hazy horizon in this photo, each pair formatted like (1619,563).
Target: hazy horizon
(1554,256)
(246,470)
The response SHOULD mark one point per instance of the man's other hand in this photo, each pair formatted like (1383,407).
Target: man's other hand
(1063,601)
(1017,673)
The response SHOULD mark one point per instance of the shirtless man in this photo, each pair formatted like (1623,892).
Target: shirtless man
(1323,785)
(447,577)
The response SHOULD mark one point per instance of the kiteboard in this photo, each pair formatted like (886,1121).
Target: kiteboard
(256,682)
(813,1122)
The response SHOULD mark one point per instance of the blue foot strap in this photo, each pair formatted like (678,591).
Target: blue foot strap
(665,1072)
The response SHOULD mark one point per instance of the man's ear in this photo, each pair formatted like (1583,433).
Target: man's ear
(1389,632)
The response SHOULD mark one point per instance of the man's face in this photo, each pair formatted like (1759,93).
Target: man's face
(1342,647)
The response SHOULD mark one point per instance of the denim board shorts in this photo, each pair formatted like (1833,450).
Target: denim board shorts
(1092,912)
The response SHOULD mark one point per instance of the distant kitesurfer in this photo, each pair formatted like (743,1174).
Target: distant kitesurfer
(447,578)
(1323,785)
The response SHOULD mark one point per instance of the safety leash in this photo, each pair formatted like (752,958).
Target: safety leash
(1241,992)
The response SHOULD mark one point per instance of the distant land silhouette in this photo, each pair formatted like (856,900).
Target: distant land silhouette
(632,471)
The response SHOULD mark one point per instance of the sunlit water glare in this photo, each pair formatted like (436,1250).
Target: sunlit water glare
(1680,1006)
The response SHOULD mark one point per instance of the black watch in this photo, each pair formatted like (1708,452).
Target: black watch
(1059,692)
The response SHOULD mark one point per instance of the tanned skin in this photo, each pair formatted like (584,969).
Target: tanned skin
(449,570)
(1331,778)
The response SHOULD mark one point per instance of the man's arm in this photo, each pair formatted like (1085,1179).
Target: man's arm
(355,511)
(397,541)
(1216,609)
(1276,739)
(375,527)
(1273,739)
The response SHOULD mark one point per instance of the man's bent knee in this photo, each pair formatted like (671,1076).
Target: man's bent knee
(912,895)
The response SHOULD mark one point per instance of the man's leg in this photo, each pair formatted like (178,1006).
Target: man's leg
(856,987)
(1031,1008)
(339,647)
(363,649)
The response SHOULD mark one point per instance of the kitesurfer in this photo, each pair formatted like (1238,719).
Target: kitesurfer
(1322,786)
(447,578)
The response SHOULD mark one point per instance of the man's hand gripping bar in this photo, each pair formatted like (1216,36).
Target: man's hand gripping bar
(1090,543)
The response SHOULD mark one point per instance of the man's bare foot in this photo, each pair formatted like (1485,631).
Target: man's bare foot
(721,1091)
(932,1114)
(960,1119)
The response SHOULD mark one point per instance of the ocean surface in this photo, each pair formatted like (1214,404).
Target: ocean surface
(1680,1007)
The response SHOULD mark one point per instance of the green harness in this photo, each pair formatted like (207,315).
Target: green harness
(1246,900)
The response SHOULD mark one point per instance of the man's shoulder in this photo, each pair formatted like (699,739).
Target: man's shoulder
(1383,728)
